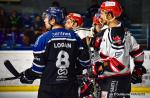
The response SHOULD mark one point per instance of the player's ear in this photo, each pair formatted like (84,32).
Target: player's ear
(110,15)
(53,21)
(75,24)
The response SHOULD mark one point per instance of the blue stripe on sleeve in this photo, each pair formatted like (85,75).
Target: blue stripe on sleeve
(85,63)
(37,69)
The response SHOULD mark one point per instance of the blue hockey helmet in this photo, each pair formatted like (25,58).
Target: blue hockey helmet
(54,12)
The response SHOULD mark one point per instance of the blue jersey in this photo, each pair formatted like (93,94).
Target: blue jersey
(55,55)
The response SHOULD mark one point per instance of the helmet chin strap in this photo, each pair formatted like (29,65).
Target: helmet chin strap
(112,19)
(73,25)
(51,26)
(109,21)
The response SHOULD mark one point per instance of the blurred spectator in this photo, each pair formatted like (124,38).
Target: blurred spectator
(13,35)
(93,8)
(27,22)
(38,26)
(15,22)
(91,12)
(3,20)
(4,25)
(55,3)
(28,38)
(124,19)
(1,38)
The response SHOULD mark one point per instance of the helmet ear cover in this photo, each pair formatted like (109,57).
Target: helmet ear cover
(110,13)
(74,21)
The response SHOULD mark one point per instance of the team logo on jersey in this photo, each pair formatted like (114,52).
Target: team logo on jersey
(62,71)
(62,63)
(118,54)
(117,40)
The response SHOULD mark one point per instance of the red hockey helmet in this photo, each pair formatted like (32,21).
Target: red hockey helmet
(75,17)
(96,19)
(112,6)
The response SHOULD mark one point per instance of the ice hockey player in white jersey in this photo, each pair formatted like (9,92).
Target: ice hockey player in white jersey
(97,31)
(74,21)
(116,48)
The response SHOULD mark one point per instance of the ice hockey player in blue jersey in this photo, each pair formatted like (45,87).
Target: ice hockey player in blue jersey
(55,54)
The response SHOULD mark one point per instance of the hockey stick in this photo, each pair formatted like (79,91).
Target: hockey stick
(9,78)
(11,68)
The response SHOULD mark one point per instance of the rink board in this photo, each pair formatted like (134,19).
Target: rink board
(23,60)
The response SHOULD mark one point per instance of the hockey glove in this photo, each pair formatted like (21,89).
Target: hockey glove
(137,73)
(28,76)
(97,69)
(86,87)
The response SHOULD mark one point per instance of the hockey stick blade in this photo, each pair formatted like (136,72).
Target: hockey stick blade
(9,78)
(11,68)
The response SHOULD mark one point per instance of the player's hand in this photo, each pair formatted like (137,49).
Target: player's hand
(96,69)
(86,87)
(28,76)
(137,73)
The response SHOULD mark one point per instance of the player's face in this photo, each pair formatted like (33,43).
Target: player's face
(46,21)
(68,24)
(104,16)
(107,17)
(98,27)
(102,21)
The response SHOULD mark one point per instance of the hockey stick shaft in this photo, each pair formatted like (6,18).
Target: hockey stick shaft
(11,68)
(9,78)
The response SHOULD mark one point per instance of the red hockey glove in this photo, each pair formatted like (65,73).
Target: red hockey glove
(86,87)
(137,73)
(97,43)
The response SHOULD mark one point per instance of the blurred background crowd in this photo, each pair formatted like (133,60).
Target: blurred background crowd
(21,22)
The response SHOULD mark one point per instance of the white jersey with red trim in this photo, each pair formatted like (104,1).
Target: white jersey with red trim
(117,46)
(82,32)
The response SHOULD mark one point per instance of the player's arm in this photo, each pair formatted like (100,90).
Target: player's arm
(83,54)
(38,65)
(137,54)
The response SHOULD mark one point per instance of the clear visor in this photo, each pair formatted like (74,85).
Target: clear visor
(44,15)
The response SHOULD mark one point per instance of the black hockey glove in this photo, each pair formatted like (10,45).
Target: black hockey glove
(137,73)
(28,76)
(96,69)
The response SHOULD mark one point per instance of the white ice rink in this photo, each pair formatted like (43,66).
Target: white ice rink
(34,95)
(18,94)
(16,57)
